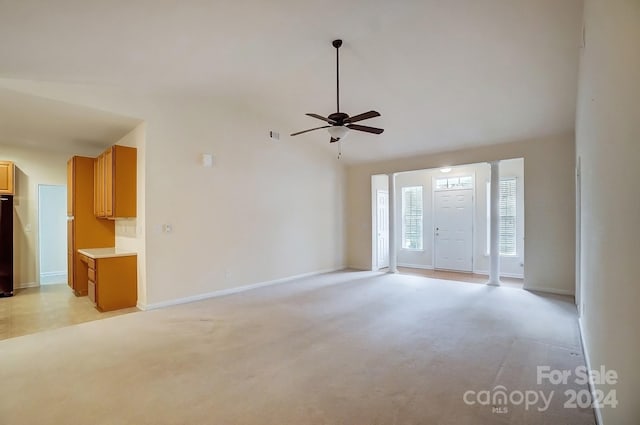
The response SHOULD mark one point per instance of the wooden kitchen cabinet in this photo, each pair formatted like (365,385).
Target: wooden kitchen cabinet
(84,230)
(98,191)
(108,182)
(116,183)
(70,187)
(7,178)
(112,280)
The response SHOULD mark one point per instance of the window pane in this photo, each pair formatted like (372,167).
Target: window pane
(466,182)
(508,217)
(441,183)
(412,217)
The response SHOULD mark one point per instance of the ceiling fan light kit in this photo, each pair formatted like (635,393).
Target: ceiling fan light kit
(338,131)
(339,122)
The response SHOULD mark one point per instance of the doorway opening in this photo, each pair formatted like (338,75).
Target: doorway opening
(52,234)
(442,222)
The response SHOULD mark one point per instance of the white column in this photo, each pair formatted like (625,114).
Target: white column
(393,249)
(494,272)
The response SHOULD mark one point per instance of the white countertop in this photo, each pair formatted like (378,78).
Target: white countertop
(105,252)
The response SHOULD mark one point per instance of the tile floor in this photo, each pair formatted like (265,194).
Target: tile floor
(459,277)
(46,307)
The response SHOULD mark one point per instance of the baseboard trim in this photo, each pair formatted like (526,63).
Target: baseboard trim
(53,277)
(26,285)
(553,291)
(231,291)
(587,360)
(415,266)
(360,268)
(58,273)
(511,275)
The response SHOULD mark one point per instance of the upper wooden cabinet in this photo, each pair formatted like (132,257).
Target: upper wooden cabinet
(98,190)
(70,187)
(7,173)
(116,183)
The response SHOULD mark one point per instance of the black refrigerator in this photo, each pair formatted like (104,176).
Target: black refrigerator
(6,246)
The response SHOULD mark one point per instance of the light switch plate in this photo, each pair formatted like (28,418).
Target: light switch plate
(207,160)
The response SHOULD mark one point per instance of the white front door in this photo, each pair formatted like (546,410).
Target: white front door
(453,226)
(382,208)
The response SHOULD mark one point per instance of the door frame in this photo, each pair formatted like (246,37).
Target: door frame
(473,217)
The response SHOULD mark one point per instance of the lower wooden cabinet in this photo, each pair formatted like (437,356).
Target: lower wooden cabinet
(112,281)
(92,291)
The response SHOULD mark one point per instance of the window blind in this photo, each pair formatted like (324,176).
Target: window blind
(508,216)
(412,206)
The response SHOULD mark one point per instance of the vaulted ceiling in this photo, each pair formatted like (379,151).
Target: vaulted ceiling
(444,74)
(41,123)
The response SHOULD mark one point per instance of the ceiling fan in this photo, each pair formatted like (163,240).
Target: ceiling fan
(339,122)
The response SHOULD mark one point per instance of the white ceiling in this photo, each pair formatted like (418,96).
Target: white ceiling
(35,122)
(444,74)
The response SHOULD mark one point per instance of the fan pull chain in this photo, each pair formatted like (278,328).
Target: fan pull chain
(339,148)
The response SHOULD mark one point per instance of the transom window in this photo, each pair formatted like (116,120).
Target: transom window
(444,183)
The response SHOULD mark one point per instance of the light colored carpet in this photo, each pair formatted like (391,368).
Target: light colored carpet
(342,348)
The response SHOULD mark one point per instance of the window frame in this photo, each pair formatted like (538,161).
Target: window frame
(515,254)
(404,216)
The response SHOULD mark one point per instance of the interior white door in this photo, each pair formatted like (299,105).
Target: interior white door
(383,228)
(453,225)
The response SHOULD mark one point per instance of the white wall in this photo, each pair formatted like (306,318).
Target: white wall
(549,246)
(33,167)
(52,229)
(510,265)
(608,145)
(265,210)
